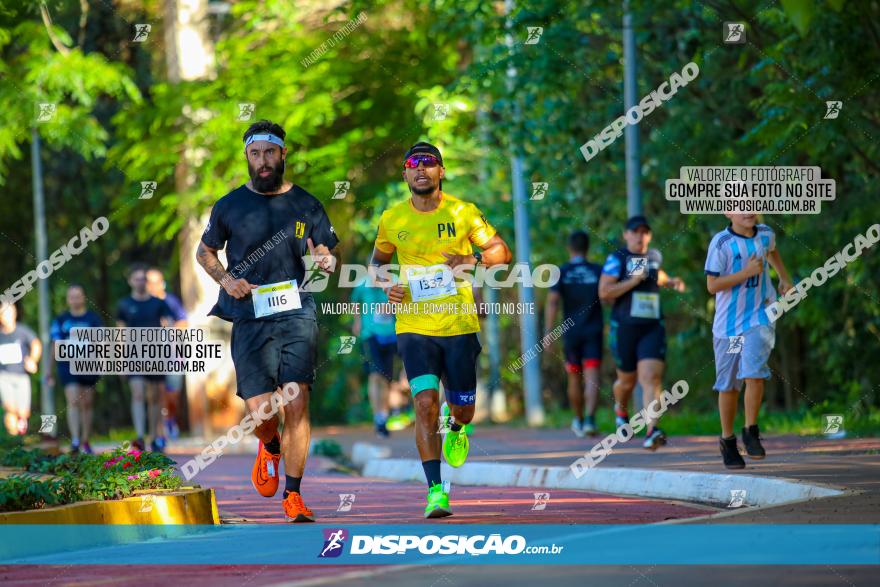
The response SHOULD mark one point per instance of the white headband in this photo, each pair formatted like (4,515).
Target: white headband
(266,137)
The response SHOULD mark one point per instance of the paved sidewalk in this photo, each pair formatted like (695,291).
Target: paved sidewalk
(378,501)
(850,463)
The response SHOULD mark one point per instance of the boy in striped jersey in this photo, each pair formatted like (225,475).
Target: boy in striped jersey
(736,272)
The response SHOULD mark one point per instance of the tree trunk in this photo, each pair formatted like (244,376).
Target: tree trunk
(190,56)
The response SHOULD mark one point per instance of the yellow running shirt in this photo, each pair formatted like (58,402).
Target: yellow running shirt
(420,238)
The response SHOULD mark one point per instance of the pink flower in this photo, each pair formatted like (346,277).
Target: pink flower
(155,473)
(132,477)
(108,464)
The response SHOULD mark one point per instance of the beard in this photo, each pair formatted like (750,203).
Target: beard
(425,190)
(271,182)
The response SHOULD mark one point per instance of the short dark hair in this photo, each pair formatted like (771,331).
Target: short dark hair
(71,286)
(579,242)
(134,268)
(264,126)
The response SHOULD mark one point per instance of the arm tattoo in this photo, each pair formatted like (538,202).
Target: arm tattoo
(212,265)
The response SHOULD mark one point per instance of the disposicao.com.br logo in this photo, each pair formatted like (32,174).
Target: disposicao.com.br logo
(451,544)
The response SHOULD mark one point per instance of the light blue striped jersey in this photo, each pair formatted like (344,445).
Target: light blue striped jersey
(741,307)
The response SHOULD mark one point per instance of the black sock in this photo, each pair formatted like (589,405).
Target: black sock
(274,446)
(455,426)
(292,484)
(432,471)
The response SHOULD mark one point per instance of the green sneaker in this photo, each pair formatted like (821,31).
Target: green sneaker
(399,421)
(455,448)
(444,412)
(438,501)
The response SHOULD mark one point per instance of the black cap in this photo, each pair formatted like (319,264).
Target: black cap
(423,147)
(637,221)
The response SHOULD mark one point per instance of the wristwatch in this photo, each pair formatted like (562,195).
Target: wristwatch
(478,256)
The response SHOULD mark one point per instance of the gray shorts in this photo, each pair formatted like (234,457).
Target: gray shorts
(15,390)
(743,357)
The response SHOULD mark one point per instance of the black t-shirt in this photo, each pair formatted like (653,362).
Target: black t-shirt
(622,264)
(265,239)
(578,286)
(143,313)
(63,324)
(14,347)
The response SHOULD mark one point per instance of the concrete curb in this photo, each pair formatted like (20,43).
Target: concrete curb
(172,507)
(710,488)
(166,514)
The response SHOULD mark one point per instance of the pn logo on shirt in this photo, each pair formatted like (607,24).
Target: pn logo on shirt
(299,229)
(334,541)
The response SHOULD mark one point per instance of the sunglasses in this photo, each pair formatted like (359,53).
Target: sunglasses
(412,162)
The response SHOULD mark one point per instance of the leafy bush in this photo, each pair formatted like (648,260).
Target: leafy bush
(27,492)
(327,448)
(82,477)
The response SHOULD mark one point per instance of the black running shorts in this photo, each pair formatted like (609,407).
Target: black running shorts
(630,343)
(452,359)
(268,353)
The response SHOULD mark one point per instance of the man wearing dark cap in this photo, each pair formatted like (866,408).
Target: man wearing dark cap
(632,278)
(433,233)
(267,226)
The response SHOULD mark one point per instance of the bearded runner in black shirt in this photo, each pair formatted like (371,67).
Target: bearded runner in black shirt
(267,226)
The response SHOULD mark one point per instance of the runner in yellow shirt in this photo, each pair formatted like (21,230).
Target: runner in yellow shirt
(437,325)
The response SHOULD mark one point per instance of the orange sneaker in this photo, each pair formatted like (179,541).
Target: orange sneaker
(264,477)
(295,509)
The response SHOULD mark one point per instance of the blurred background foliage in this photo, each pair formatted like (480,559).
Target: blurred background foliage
(352,113)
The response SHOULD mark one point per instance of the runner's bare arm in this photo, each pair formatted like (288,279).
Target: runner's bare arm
(394,292)
(550,311)
(32,361)
(495,252)
(611,288)
(322,255)
(210,262)
(381,257)
(664,280)
(775,260)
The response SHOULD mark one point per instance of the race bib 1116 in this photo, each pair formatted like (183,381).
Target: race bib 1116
(276,297)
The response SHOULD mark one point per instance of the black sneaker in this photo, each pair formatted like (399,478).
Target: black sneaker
(752,442)
(730,454)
